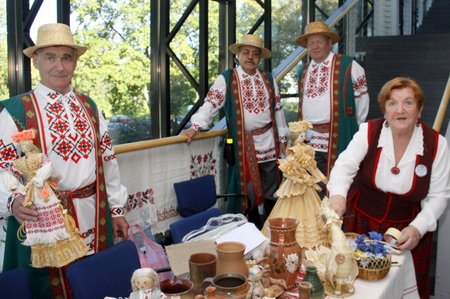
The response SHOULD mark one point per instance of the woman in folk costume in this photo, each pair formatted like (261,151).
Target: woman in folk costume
(297,196)
(54,238)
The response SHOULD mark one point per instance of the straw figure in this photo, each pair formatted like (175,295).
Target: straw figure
(341,268)
(54,237)
(297,196)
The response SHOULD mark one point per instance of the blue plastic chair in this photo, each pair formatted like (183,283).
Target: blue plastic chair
(195,195)
(196,198)
(107,273)
(15,284)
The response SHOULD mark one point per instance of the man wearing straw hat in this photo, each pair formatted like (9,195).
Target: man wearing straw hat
(255,122)
(333,94)
(72,134)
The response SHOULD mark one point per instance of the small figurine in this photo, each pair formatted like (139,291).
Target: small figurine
(255,275)
(341,268)
(145,284)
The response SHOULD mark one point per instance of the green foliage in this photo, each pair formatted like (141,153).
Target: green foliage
(115,71)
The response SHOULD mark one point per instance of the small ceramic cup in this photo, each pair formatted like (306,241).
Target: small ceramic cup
(177,288)
(201,265)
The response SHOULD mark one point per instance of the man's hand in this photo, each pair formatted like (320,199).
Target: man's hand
(22,213)
(120,228)
(409,239)
(338,203)
(189,133)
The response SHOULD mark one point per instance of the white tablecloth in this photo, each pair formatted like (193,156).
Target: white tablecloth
(400,282)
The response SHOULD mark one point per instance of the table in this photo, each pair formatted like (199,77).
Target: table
(400,282)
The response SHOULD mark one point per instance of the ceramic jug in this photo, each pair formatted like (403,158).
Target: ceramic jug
(283,252)
(230,258)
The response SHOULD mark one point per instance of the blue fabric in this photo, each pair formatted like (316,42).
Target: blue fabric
(107,273)
(15,284)
(195,195)
(182,227)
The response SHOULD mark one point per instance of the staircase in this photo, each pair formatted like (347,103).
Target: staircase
(424,57)
(437,19)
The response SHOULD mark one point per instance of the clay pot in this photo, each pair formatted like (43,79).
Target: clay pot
(230,258)
(177,288)
(304,290)
(284,253)
(225,286)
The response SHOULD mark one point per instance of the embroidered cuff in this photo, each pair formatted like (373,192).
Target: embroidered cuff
(195,127)
(117,212)
(10,202)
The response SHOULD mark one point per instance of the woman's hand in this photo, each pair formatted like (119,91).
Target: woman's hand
(410,238)
(338,203)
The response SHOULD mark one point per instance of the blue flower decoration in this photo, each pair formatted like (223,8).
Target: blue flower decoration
(372,245)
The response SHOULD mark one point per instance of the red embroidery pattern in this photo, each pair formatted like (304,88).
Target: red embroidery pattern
(106,143)
(266,155)
(253,102)
(50,219)
(318,81)
(7,155)
(360,86)
(203,164)
(166,213)
(76,144)
(139,199)
(214,97)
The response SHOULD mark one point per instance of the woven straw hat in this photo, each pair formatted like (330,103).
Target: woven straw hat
(50,35)
(251,40)
(315,28)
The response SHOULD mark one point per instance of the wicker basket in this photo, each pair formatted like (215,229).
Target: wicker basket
(371,268)
(374,268)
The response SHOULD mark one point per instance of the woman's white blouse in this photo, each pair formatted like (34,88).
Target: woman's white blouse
(433,205)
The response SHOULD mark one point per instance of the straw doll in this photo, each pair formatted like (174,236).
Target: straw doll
(297,195)
(341,267)
(54,238)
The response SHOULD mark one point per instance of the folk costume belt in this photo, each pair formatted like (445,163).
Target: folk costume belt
(84,192)
(260,131)
(322,128)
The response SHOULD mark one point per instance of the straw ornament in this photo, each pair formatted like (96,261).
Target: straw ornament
(300,126)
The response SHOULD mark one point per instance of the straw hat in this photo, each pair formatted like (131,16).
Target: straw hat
(50,35)
(315,28)
(251,40)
